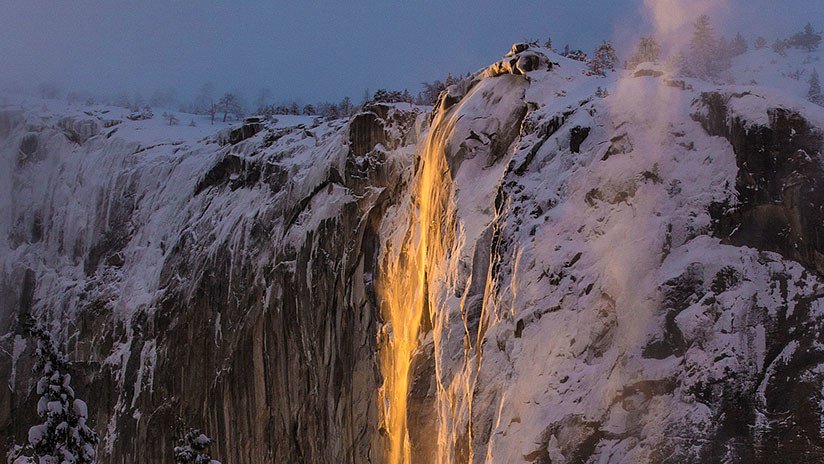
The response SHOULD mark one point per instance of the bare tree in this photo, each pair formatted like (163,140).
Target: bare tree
(212,112)
(229,104)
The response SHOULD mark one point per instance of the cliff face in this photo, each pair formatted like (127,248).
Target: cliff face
(622,282)
(224,286)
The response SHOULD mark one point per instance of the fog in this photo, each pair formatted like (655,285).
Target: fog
(319,50)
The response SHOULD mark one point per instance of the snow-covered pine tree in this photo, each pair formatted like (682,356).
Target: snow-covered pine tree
(677,64)
(388,96)
(647,50)
(431,91)
(332,111)
(604,59)
(193,448)
(703,57)
(814,94)
(760,42)
(723,55)
(64,436)
(808,39)
(738,46)
(577,55)
(450,80)
(780,47)
(20,455)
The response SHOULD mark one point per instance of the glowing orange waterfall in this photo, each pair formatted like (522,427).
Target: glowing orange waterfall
(404,282)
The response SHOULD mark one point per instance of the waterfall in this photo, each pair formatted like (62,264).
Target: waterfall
(406,273)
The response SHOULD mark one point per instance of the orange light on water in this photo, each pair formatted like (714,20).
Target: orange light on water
(403,284)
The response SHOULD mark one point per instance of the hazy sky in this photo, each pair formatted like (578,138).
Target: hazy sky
(313,50)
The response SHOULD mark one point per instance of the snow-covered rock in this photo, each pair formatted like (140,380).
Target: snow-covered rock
(633,278)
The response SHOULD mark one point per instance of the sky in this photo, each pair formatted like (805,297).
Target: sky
(322,49)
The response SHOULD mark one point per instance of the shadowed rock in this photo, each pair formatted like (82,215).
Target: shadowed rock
(780,173)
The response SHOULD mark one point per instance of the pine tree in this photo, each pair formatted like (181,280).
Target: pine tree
(647,50)
(760,43)
(604,59)
(780,47)
(450,80)
(548,43)
(738,46)
(64,436)
(345,107)
(723,55)
(431,91)
(705,59)
(677,64)
(808,39)
(814,94)
(193,449)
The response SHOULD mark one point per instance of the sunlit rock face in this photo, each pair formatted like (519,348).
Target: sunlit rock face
(635,278)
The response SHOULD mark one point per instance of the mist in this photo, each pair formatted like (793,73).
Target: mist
(308,53)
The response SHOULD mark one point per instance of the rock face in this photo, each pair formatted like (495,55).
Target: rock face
(228,287)
(780,208)
(626,283)
(781,204)
(519,61)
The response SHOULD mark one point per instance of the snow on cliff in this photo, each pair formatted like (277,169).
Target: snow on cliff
(635,278)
